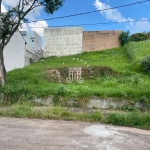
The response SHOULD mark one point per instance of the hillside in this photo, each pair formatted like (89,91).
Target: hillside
(116,73)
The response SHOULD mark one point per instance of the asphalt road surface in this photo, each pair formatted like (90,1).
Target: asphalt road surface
(34,134)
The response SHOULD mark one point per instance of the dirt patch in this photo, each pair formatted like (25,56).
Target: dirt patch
(53,75)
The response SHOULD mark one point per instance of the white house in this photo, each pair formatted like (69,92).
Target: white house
(22,47)
(14,52)
(33,46)
(33,40)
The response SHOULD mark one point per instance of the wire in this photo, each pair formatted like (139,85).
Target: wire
(85,13)
(144,5)
(102,23)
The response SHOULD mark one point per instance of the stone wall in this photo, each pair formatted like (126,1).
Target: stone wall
(100,40)
(62,41)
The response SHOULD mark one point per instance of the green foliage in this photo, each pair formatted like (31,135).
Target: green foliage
(97,116)
(60,92)
(116,119)
(139,37)
(25,111)
(148,33)
(21,111)
(145,102)
(134,119)
(146,63)
(124,38)
(130,52)
(113,76)
(15,16)
(52,5)
(20,11)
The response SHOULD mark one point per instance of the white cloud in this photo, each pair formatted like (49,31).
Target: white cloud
(115,15)
(112,14)
(31,16)
(11,2)
(139,26)
(36,27)
(3,9)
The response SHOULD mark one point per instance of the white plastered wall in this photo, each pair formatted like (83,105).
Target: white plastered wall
(14,52)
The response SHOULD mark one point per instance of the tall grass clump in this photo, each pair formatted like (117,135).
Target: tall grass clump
(146,63)
(132,119)
(20,111)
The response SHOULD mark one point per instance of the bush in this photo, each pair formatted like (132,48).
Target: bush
(134,119)
(139,37)
(116,119)
(20,111)
(96,116)
(124,38)
(146,63)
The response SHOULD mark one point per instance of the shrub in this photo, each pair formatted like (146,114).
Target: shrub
(148,33)
(124,38)
(146,63)
(134,119)
(145,102)
(139,37)
(96,116)
(20,111)
(116,119)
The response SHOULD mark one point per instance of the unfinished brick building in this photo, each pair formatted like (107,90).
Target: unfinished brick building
(100,40)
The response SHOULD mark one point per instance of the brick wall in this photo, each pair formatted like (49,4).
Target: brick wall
(100,40)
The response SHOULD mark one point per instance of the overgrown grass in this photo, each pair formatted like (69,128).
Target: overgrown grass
(23,111)
(127,80)
(131,119)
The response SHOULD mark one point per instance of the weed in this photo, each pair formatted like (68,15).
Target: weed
(96,116)
(20,111)
(132,119)
(113,76)
(129,50)
(146,63)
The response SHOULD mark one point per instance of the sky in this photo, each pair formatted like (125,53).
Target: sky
(131,13)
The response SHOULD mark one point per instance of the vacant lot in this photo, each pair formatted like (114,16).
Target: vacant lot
(115,73)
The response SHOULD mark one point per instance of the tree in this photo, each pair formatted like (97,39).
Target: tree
(148,33)
(124,38)
(14,17)
(139,37)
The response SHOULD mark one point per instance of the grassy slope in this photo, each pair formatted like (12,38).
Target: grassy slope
(130,82)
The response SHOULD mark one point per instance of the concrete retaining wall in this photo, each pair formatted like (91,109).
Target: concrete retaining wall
(93,102)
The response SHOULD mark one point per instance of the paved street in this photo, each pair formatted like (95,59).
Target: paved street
(34,134)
